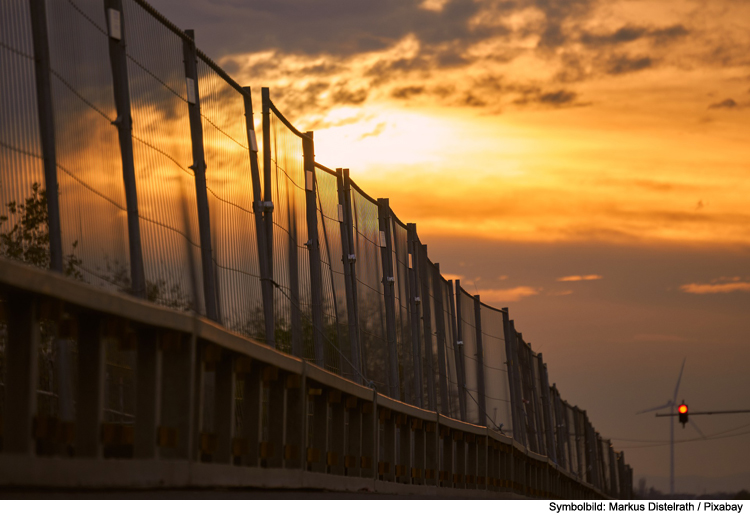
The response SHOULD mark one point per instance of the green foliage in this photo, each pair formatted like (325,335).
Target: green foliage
(28,238)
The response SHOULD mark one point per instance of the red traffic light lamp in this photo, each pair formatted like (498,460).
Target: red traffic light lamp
(682,411)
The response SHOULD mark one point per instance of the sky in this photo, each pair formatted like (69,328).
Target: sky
(582,162)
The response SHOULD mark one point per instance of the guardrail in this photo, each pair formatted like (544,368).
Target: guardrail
(276,420)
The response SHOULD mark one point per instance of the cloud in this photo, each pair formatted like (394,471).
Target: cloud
(621,64)
(659,338)
(576,278)
(729,104)
(630,33)
(508,295)
(729,287)
(561,293)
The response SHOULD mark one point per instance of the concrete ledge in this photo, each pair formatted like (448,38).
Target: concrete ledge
(59,473)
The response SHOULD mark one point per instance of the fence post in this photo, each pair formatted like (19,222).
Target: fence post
(46,128)
(313,246)
(349,258)
(459,352)
(267,188)
(124,122)
(480,363)
(519,432)
(547,410)
(427,323)
(260,207)
(389,281)
(415,300)
(437,281)
(199,169)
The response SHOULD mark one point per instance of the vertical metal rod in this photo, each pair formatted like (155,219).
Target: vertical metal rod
(386,253)
(259,209)
(90,401)
(199,169)
(481,397)
(124,122)
(439,287)
(148,394)
(47,128)
(313,246)
(224,408)
(459,350)
(21,374)
(414,305)
(348,260)
(426,296)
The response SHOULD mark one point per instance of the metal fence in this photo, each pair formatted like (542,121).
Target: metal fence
(172,205)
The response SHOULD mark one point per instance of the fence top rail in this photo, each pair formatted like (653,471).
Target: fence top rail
(183,35)
(398,220)
(501,310)
(461,290)
(325,169)
(289,125)
(362,193)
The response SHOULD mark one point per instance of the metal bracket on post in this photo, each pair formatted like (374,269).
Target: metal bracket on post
(262,207)
(386,253)
(349,259)
(414,288)
(199,169)
(124,122)
(481,388)
(47,129)
(316,273)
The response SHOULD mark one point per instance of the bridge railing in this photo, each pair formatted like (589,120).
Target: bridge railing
(183,251)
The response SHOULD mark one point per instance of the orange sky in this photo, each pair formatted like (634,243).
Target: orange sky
(605,141)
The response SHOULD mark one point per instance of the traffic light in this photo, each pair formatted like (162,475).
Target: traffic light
(682,410)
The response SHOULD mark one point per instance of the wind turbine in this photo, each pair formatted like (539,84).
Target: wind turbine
(671,405)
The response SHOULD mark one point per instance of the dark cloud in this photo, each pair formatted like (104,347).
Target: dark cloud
(560,97)
(729,104)
(336,27)
(620,64)
(631,33)
(407,92)
(535,95)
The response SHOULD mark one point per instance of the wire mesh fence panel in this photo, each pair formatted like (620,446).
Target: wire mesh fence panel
(432,295)
(335,317)
(162,152)
(23,207)
(538,386)
(400,256)
(575,467)
(291,260)
(230,203)
(496,384)
(92,197)
(446,292)
(606,469)
(370,295)
(472,365)
(581,443)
